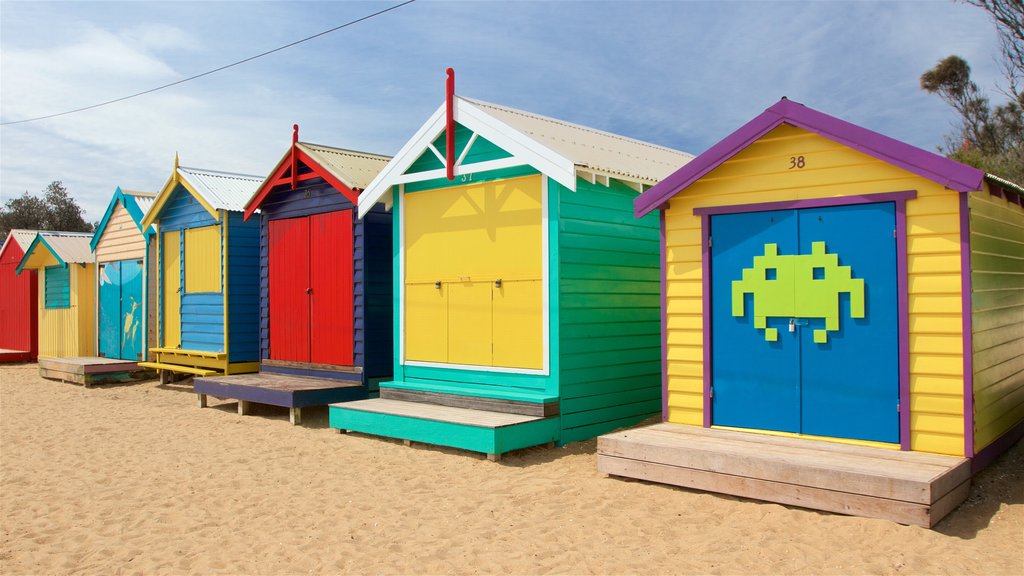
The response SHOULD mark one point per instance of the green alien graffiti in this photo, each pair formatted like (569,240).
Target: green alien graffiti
(798,286)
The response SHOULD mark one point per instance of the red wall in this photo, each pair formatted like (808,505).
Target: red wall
(19,315)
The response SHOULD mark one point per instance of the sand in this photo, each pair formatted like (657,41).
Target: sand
(135,479)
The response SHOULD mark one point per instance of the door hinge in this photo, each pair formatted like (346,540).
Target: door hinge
(897,407)
(709,241)
(893,232)
(711,392)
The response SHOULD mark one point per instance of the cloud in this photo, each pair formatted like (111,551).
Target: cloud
(681,74)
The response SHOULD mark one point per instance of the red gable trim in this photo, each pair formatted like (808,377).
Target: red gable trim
(287,173)
(949,173)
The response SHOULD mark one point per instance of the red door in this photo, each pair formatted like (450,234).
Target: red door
(311,293)
(331,302)
(289,281)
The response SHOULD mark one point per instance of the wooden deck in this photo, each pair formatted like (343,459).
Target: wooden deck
(292,392)
(489,432)
(8,355)
(89,370)
(906,487)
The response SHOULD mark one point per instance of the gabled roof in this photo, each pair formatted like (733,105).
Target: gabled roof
(348,171)
(555,148)
(136,203)
(214,190)
(20,237)
(66,248)
(926,164)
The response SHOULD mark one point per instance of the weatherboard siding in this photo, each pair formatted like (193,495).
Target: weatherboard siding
(609,286)
(243,247)
(121,239)
(761,173)
(376,287)
(997,315)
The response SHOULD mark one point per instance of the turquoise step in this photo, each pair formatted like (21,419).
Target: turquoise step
(492,433)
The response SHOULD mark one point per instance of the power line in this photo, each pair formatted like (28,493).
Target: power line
(207,73)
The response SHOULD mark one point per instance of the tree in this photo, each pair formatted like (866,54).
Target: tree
(989,137)
(1009,19)
(56,210)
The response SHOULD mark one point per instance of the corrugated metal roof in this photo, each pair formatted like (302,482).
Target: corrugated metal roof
(355,169)
(590,148)
(222,190)
(70,246)
(23,237)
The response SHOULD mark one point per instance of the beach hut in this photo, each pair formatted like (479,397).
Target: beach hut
(325,284)
(843,321)
(19,317)
(65,294)
(207,274)
(526,295)
(124,311)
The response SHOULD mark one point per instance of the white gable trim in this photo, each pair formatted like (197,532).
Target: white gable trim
(523,149)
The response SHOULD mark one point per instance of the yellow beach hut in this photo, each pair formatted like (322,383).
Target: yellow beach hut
(843,321)
(66,300)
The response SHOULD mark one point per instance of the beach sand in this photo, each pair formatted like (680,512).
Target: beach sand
(135,479)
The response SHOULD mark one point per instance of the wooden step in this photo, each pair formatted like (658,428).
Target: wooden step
(194,353)
(907,487)
(179,368)
(542,410)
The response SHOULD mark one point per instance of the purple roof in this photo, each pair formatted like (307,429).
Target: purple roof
(939,169)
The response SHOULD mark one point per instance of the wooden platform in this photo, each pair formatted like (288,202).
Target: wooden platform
(7,355)
(89,370)
(905,487)
(489,432)
(292,392)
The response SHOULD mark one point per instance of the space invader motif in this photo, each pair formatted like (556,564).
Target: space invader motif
(798,286)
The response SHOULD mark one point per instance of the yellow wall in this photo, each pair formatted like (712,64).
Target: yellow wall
(761,173)
(121,238)
(466,238)
(68,332)
(997,315)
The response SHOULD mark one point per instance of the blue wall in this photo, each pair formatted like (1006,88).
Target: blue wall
(243,288)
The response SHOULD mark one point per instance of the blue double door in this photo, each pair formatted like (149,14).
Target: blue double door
(121,309)
(797,371)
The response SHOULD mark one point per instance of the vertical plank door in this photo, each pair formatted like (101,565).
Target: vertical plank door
(332,330)
(289,287)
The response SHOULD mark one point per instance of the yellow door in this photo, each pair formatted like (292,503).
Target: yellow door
(426,322)
(516,324)
(469,323)
(468,238)
(172,289)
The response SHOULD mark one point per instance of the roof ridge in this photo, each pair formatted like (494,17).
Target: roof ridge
(578,126)
(346,150)
(220,172)
(63,233)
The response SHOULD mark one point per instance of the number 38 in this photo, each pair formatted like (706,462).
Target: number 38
(796,162)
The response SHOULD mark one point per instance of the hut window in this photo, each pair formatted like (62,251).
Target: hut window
(202,259)
(57,286)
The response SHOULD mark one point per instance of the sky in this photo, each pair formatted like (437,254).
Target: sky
(679,74)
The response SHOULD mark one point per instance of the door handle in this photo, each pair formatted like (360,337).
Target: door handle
(309,290)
